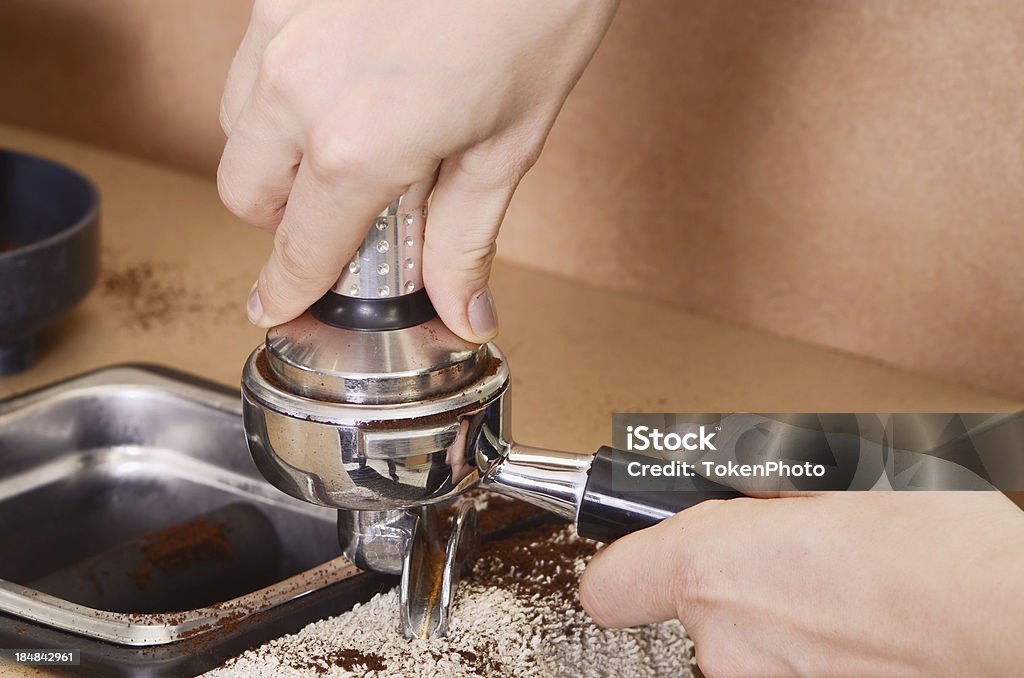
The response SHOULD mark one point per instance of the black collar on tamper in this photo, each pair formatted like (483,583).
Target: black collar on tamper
(374,315)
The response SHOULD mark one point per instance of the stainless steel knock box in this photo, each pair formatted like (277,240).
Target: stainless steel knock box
(96,471)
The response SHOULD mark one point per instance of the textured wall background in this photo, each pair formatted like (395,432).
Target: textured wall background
(846,173)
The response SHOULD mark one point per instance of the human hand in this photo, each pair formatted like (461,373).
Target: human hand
(836,584)
(334,108)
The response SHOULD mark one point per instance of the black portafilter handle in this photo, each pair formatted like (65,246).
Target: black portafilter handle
(606,513)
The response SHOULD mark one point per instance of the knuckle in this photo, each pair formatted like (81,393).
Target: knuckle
(487,254)
(472,266)
(295,257)
(501,165)
(506,173)
(279,66)
(270,14)
(223,117)
(334,154)
(229,196)
(250,208)
(478,261)
(527,156)
(478,257)
(517,159)
(301,264)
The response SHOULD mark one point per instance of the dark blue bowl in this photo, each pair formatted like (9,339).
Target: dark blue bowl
(49,250)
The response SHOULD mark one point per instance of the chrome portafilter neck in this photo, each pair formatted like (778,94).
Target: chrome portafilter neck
(369,404)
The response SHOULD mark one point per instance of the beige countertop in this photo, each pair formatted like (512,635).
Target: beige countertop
(177,268)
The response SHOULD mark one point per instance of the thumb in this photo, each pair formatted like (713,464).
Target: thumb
(652,575)
(459,245)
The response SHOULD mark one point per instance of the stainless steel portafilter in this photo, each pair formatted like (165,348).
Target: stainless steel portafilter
(369,404)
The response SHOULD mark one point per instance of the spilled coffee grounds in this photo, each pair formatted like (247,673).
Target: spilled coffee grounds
(518,614)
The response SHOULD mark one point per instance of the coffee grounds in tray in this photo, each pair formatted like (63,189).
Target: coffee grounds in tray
(355,661)
(180,546)
(518,614)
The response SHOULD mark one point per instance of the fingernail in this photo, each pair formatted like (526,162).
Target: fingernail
(254,307)
(482,316)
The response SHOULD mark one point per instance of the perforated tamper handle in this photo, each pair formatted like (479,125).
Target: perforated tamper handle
(381,287)
(389,261)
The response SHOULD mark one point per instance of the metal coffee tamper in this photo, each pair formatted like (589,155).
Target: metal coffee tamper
(369,404)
